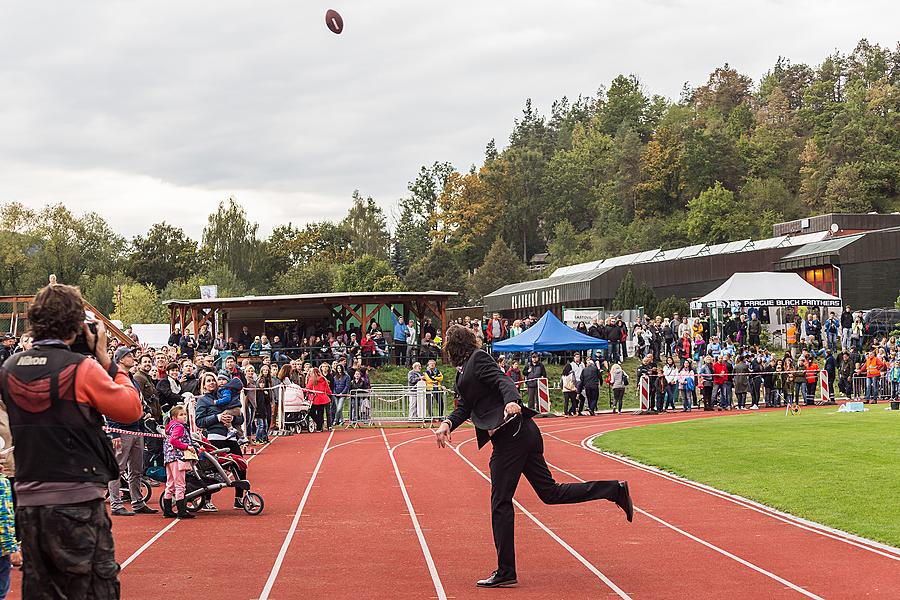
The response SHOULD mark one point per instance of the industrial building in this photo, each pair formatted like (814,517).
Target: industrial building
(853,256)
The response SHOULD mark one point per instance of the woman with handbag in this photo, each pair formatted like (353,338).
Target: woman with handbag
(178,456)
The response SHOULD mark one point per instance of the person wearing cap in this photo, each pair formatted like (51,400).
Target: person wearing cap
(8,348)
(534,371)
(129,451)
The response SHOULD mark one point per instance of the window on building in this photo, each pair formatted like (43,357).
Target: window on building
(824,278)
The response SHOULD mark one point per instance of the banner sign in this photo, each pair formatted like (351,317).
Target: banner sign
(574,316)
(769,302)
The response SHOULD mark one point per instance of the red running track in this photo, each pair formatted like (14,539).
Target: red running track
(385,514)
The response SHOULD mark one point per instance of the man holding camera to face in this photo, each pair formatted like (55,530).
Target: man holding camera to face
(56,399)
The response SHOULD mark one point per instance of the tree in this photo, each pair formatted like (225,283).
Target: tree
(626,168)
(163,255)
(439,270)
(626,293)
(229,286)
(466,219)
(625,105)
(306,278)
(138,303)
(367,274)
(726,90)
(54,240)
(367,228)
(671,305)
(714,217)
(229,239)
(574,179)
(325,241)
(646,298)
(567,246)
(501,267)
(418,219)
(100,290)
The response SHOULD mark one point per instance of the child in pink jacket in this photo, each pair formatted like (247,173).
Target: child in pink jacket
(176,442)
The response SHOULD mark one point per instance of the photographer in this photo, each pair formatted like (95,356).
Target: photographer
(56,400)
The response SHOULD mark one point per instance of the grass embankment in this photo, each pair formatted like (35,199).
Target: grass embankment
(397,376)
(838,469)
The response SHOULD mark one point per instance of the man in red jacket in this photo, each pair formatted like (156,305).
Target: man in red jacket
(496,329)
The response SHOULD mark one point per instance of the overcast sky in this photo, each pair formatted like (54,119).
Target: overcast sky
(145,111)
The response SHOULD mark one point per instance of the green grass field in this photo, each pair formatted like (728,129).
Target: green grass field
(838,469)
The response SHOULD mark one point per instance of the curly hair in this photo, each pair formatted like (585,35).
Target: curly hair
(459,343)
(57,312)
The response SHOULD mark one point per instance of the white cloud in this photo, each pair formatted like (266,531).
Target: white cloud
(148,110)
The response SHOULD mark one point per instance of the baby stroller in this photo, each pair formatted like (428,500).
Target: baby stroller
(296,407)
(215,470)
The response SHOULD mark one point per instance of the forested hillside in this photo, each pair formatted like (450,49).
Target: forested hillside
(617,171)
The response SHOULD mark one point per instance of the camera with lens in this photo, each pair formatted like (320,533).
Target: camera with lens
(81,345)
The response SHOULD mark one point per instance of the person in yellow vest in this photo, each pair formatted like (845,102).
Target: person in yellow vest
(433,381)
(791,335)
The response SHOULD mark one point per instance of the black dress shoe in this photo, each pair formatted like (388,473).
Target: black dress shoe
(624,501)
(496,580)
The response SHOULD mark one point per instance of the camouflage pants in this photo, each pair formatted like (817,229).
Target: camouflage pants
(68,552)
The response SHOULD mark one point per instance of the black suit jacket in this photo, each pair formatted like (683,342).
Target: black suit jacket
(484,391)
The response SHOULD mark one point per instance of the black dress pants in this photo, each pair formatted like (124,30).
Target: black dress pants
(519,451)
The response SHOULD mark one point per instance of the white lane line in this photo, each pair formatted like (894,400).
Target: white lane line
(148,543)
(273,575)
(368,437)
(160,533)
(709,545)
(432,569)
(550,532)
(811,526)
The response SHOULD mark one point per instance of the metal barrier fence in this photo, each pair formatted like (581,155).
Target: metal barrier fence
(396,403)
(880,388)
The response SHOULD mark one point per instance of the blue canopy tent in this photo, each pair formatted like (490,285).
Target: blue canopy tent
(549,334)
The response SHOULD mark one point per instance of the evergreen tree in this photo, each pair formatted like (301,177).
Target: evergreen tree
(501,267)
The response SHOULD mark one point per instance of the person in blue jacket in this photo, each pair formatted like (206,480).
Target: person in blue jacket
(399,341)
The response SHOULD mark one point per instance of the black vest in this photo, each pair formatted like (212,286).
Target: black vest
(56,438)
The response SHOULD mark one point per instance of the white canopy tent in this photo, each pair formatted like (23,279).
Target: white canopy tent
(765,289)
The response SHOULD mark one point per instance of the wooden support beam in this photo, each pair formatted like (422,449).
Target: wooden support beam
(442,307)
(371,315)
(352,312)
(110,327)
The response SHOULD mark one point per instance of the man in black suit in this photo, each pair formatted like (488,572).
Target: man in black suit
(490,399)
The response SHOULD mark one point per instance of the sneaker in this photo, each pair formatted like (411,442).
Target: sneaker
(238,505)
(209,507)
(122,512)
(754,407)
(144,510)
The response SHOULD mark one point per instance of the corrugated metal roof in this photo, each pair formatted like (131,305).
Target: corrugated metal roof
(829,246)
(729,247)
(538,284)
(330,295)
(775,242)
(806,238)
(647,256)
(579,268)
